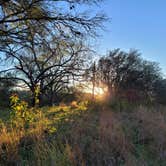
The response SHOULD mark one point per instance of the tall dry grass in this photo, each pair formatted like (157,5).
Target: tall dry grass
(89,138)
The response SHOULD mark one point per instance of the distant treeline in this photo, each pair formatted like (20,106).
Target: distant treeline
(125,74)
(128,76)
(47,52)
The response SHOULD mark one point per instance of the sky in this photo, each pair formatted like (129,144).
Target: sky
(138,24)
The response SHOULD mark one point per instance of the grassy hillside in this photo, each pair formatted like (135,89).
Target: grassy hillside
(84,134)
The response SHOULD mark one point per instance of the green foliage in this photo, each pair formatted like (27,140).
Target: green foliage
(160,88)
(128,75)
(6,86)
(37,93)
(20,114)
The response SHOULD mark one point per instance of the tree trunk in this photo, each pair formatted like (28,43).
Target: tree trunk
(33,100)
(111,92)
(93,80)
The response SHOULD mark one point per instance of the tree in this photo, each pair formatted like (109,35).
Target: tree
(49,67)
(122,72)
(18,18)
(6,88)
(43,42)
(160,89)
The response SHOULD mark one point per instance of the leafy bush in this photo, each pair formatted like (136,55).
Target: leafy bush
(20,114)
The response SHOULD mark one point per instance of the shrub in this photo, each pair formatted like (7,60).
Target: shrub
(20,114)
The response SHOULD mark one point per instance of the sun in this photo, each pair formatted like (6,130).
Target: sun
(98,91)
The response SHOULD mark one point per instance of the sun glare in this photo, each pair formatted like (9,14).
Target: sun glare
(98,91)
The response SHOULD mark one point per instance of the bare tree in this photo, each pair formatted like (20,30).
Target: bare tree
(50,66)
(43,40)
(45,16)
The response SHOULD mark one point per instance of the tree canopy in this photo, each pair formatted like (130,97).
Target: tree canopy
(45,41)
(124,71)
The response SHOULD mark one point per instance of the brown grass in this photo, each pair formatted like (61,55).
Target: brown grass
(93,138)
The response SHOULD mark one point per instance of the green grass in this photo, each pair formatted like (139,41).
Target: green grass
(85,135)
(4,114)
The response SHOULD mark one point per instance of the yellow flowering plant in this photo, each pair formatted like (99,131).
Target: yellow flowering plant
(20,114)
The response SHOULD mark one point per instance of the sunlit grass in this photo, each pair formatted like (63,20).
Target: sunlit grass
(78,134)
(46,122)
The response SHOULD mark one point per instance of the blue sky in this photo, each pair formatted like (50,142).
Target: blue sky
(139,24)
